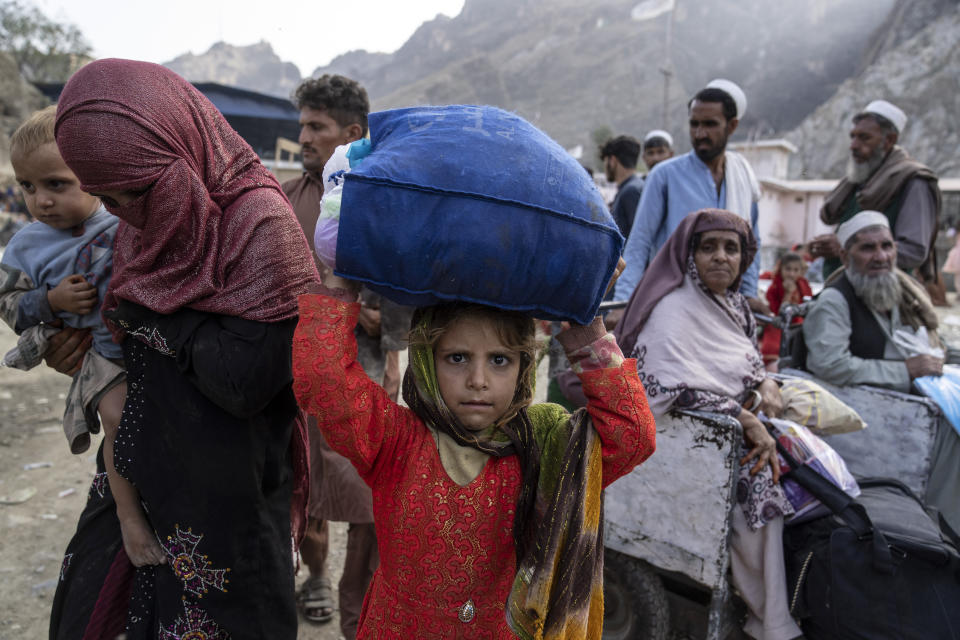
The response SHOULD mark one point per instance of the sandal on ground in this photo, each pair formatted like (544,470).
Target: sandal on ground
(316,599)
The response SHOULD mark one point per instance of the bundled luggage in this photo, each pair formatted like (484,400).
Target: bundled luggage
(879,567)
(476,204)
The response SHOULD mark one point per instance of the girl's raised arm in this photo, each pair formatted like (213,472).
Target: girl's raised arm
(354,413)
(615,398)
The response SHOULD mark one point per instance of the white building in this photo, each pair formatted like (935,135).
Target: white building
(790,209)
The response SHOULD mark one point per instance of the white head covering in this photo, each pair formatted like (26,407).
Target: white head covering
(659,133)
(859,222)
(891,112)
(734,91)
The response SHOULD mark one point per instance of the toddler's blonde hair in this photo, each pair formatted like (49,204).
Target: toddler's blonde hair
(36,131)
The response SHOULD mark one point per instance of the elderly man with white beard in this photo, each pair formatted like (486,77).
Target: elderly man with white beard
(848,329)
(882,176)
(848,336)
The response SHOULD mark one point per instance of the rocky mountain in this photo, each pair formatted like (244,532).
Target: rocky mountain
(18,99)
(572,67)
(921,74)
(255,67)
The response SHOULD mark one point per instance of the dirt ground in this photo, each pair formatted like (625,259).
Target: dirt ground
(43,489)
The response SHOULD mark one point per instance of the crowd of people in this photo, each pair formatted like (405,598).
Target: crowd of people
(248,395)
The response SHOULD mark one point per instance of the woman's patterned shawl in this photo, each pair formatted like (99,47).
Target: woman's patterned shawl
(698,350)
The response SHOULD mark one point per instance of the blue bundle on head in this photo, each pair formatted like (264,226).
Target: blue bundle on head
(475,204)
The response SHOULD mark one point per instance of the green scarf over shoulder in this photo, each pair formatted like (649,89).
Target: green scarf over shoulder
(558,588)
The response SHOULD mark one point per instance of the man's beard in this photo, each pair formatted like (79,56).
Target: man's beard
(880,292)
(711,152)
(860,172)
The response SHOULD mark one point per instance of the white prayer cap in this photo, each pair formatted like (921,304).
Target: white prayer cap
(859,222)
(734,91)
(659,133)
(891,112)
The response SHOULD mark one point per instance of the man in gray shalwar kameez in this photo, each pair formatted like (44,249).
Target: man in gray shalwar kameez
(849,332)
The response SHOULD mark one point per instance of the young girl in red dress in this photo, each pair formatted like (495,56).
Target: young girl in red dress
(788,287)
(487,509)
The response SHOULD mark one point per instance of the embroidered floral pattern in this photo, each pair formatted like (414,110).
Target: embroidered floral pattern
(191,567)
(760,497)
(195,624)
(152,338)
(452,543)
(686,397)
(99,484)
(65,565)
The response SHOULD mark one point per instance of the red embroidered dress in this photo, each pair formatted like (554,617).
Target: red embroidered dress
(442,546)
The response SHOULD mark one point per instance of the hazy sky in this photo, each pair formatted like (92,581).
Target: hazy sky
(307,33)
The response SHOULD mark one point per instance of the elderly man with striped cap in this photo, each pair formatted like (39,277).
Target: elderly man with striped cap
(881,176)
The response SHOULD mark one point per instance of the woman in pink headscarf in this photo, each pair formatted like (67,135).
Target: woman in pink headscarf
(208,263)
(694,339)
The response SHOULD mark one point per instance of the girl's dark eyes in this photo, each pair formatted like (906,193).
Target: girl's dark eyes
(498,360)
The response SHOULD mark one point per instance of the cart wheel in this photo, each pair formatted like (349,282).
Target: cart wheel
(634,600)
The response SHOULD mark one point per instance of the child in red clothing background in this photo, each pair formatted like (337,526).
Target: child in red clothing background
(788,287)
(487,509)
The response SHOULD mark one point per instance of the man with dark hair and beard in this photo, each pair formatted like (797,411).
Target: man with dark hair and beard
(707,177)
(333,112)
(881,176)
(848,336)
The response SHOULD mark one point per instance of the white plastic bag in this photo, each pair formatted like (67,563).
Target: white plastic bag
(915,344)
(813,452)
(328,222)
(943,389)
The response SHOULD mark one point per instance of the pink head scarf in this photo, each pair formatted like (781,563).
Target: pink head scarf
(666,271)
(212,231)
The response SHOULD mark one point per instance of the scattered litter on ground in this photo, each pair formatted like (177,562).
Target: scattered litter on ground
(48,516)
(66,492)
(18,497)
(51,429)
(30,466)
(41,588)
